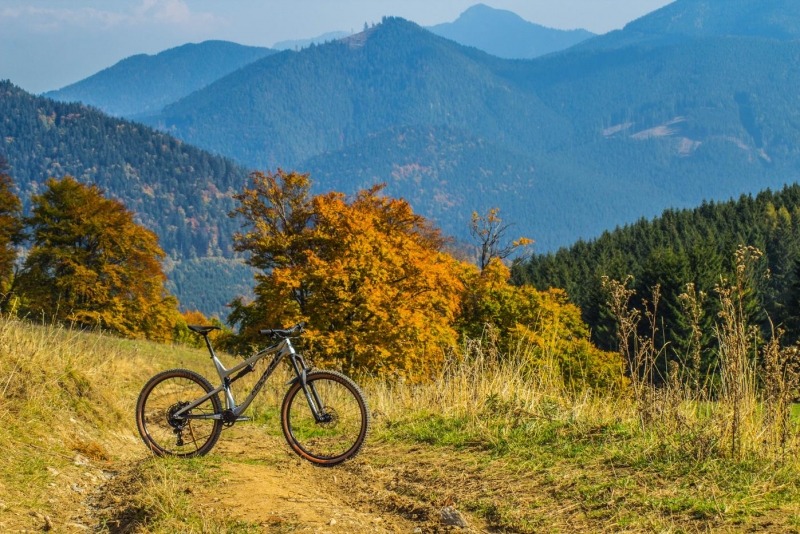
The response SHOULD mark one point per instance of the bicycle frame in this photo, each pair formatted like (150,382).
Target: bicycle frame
(233,412)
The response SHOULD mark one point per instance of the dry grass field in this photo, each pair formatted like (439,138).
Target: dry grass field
(492,444)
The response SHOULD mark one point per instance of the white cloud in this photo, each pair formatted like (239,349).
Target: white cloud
(171,13)
(40,19)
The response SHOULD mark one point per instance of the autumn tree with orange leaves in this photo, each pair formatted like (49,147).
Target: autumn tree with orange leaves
(368,274)
(91,265)
(382,296)
(11,232)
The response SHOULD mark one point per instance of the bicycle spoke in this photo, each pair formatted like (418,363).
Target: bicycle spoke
(167,433)
(337,431)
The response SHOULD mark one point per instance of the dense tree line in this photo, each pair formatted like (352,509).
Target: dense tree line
(684,247)
(380,290)
(178,191)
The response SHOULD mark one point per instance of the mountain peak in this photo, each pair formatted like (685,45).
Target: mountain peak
(505,34)
(357,40)
(482,10)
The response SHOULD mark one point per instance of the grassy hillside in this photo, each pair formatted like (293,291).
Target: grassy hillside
(506,447)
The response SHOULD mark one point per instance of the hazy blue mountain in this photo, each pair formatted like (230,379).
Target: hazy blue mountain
(565,145)
(447,174)
(661,114)
(771,19)
(774,19)
(298,44)
(505,34)
(288,107)
(143,84)
(495,31)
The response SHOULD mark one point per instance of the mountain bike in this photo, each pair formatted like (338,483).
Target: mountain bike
(324,415)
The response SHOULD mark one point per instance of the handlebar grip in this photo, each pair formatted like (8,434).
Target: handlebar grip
(286,332)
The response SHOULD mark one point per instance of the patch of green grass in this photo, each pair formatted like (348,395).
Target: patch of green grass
(268,418)
(430,428)
(609,474)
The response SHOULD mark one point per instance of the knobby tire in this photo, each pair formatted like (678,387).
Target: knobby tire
(338,438)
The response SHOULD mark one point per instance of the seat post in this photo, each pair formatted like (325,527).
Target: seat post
(208,344)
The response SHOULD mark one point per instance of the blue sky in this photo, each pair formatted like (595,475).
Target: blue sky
(47,44)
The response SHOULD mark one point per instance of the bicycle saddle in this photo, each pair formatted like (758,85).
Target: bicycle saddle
(202,330)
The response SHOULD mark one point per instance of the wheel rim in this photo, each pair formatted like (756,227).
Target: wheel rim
(342,426)
(171,435)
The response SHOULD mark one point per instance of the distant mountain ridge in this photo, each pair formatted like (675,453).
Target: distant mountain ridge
(180,192)
(497,32)
(505,34)
(144,84)
(297,44)
(267,114)
(620,126)
(567,145)
(704,19)
(774,19)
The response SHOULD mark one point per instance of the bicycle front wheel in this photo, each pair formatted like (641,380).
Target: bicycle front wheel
(167,434)
(335,428)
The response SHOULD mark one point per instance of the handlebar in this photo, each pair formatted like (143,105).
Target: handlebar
(286,332)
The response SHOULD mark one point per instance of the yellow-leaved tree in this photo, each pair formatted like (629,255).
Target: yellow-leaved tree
(368,274)
(543,323)
(92,265)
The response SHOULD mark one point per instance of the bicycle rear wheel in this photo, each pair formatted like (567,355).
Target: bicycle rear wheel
(340,431)
(168,435)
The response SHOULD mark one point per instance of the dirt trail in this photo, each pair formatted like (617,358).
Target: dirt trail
(257,479)
(276,488)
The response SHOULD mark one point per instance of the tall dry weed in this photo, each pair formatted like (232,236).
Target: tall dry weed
(692,303)
(738,354)
(780,382)
(749,413)
(639,352)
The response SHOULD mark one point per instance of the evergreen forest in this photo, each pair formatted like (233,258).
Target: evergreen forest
(679,248)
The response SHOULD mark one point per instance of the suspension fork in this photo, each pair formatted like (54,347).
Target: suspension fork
(312,397)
